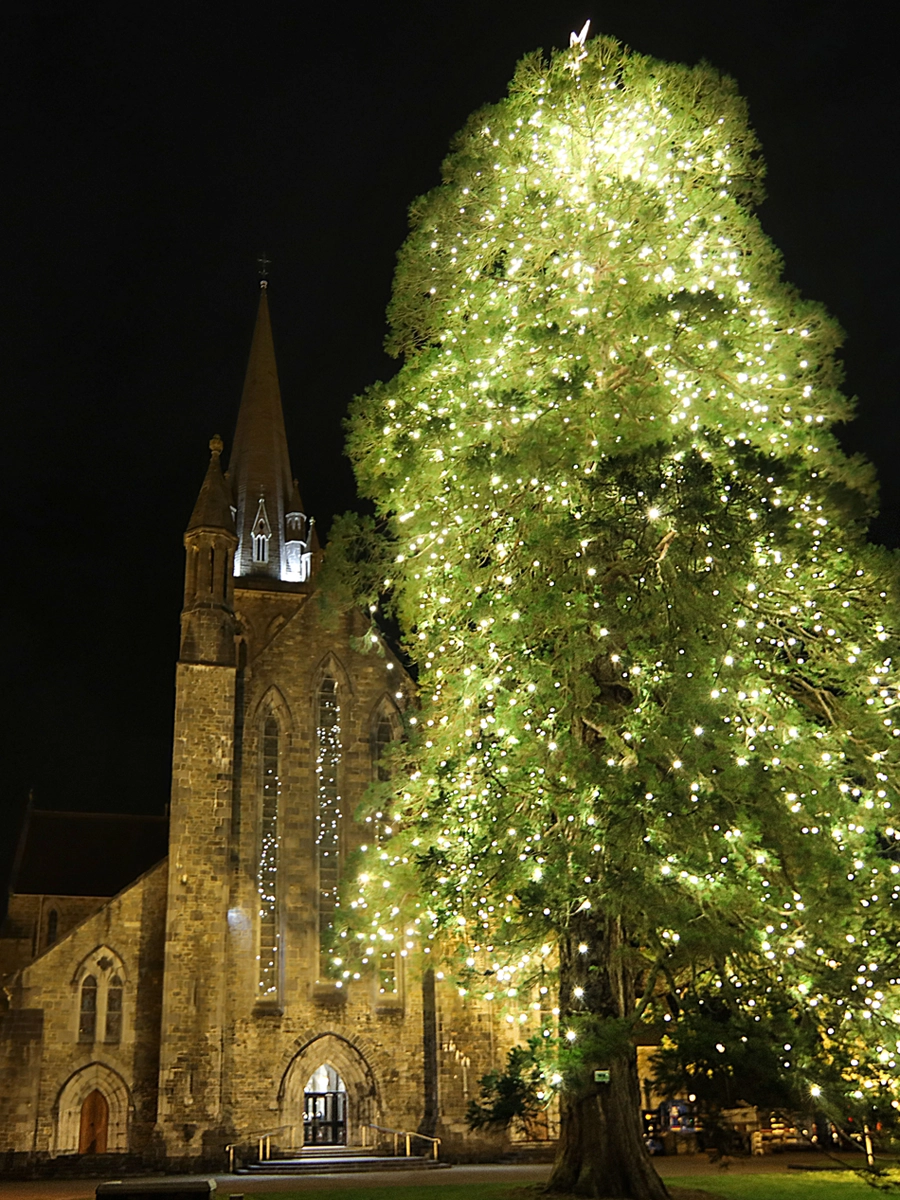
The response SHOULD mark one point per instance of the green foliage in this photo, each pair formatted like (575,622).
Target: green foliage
(655,652)
(354,570)
(520,1093)
(726,1057)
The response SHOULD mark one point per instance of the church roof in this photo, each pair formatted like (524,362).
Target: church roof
(213,507)
(85,854)
(260,467)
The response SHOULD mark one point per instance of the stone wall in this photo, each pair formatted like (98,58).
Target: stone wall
(21,1033)
(473,1039)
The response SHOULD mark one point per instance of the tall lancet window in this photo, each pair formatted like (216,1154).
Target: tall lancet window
(87,1017)
(267,880)
(384,735)
(328,814)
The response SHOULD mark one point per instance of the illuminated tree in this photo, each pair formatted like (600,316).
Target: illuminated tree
(655,752)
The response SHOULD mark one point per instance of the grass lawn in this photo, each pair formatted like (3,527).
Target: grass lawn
(441,1191)
(791,1185)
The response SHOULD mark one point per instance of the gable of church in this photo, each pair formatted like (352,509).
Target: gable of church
(84,1017)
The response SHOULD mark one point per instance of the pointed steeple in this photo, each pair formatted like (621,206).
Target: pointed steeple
(260,469)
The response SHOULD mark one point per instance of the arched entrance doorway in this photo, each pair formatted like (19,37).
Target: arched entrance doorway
(93,1110)
(325,1108)
(94,1131)
(328,1093)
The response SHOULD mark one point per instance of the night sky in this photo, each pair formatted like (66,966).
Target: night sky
(152,152)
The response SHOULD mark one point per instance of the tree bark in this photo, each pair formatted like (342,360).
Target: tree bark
(601,1143)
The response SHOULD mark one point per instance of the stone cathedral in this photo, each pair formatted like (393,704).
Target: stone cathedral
(171,999)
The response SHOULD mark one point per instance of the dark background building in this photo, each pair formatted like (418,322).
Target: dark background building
(147,164)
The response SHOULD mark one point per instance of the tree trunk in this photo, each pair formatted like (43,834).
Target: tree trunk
(601,1143)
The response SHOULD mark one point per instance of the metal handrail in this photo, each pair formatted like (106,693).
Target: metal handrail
(263,1141)
(404,1133)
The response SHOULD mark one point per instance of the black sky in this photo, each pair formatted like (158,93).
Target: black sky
(150,153)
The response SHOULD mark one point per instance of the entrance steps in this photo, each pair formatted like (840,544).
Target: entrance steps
(334,1160)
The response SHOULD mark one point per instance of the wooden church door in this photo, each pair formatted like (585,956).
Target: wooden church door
(94,1124)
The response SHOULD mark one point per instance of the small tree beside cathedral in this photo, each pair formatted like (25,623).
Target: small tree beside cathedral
(654,762)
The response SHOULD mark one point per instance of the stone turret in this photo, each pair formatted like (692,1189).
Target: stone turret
(207,619)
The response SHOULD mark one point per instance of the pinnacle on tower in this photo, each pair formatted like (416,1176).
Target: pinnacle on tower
(213,509)
(207,618)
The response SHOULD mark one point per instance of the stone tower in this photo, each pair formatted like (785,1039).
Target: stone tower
(194,995)
(247,527)
(278,723)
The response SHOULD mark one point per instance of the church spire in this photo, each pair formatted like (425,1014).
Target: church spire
(260,469)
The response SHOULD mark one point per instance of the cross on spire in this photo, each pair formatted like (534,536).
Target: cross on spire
(263,263)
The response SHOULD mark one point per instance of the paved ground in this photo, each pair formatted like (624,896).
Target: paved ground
(669,1168)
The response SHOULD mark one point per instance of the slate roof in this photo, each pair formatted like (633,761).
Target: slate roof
(85,854)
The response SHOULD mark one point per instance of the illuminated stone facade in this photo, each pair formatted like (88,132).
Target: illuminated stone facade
(190,1011)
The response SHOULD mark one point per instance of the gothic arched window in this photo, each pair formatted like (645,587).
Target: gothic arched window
(267,878)
(87,1016)
(52,926)
(101,992)
(328,809)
